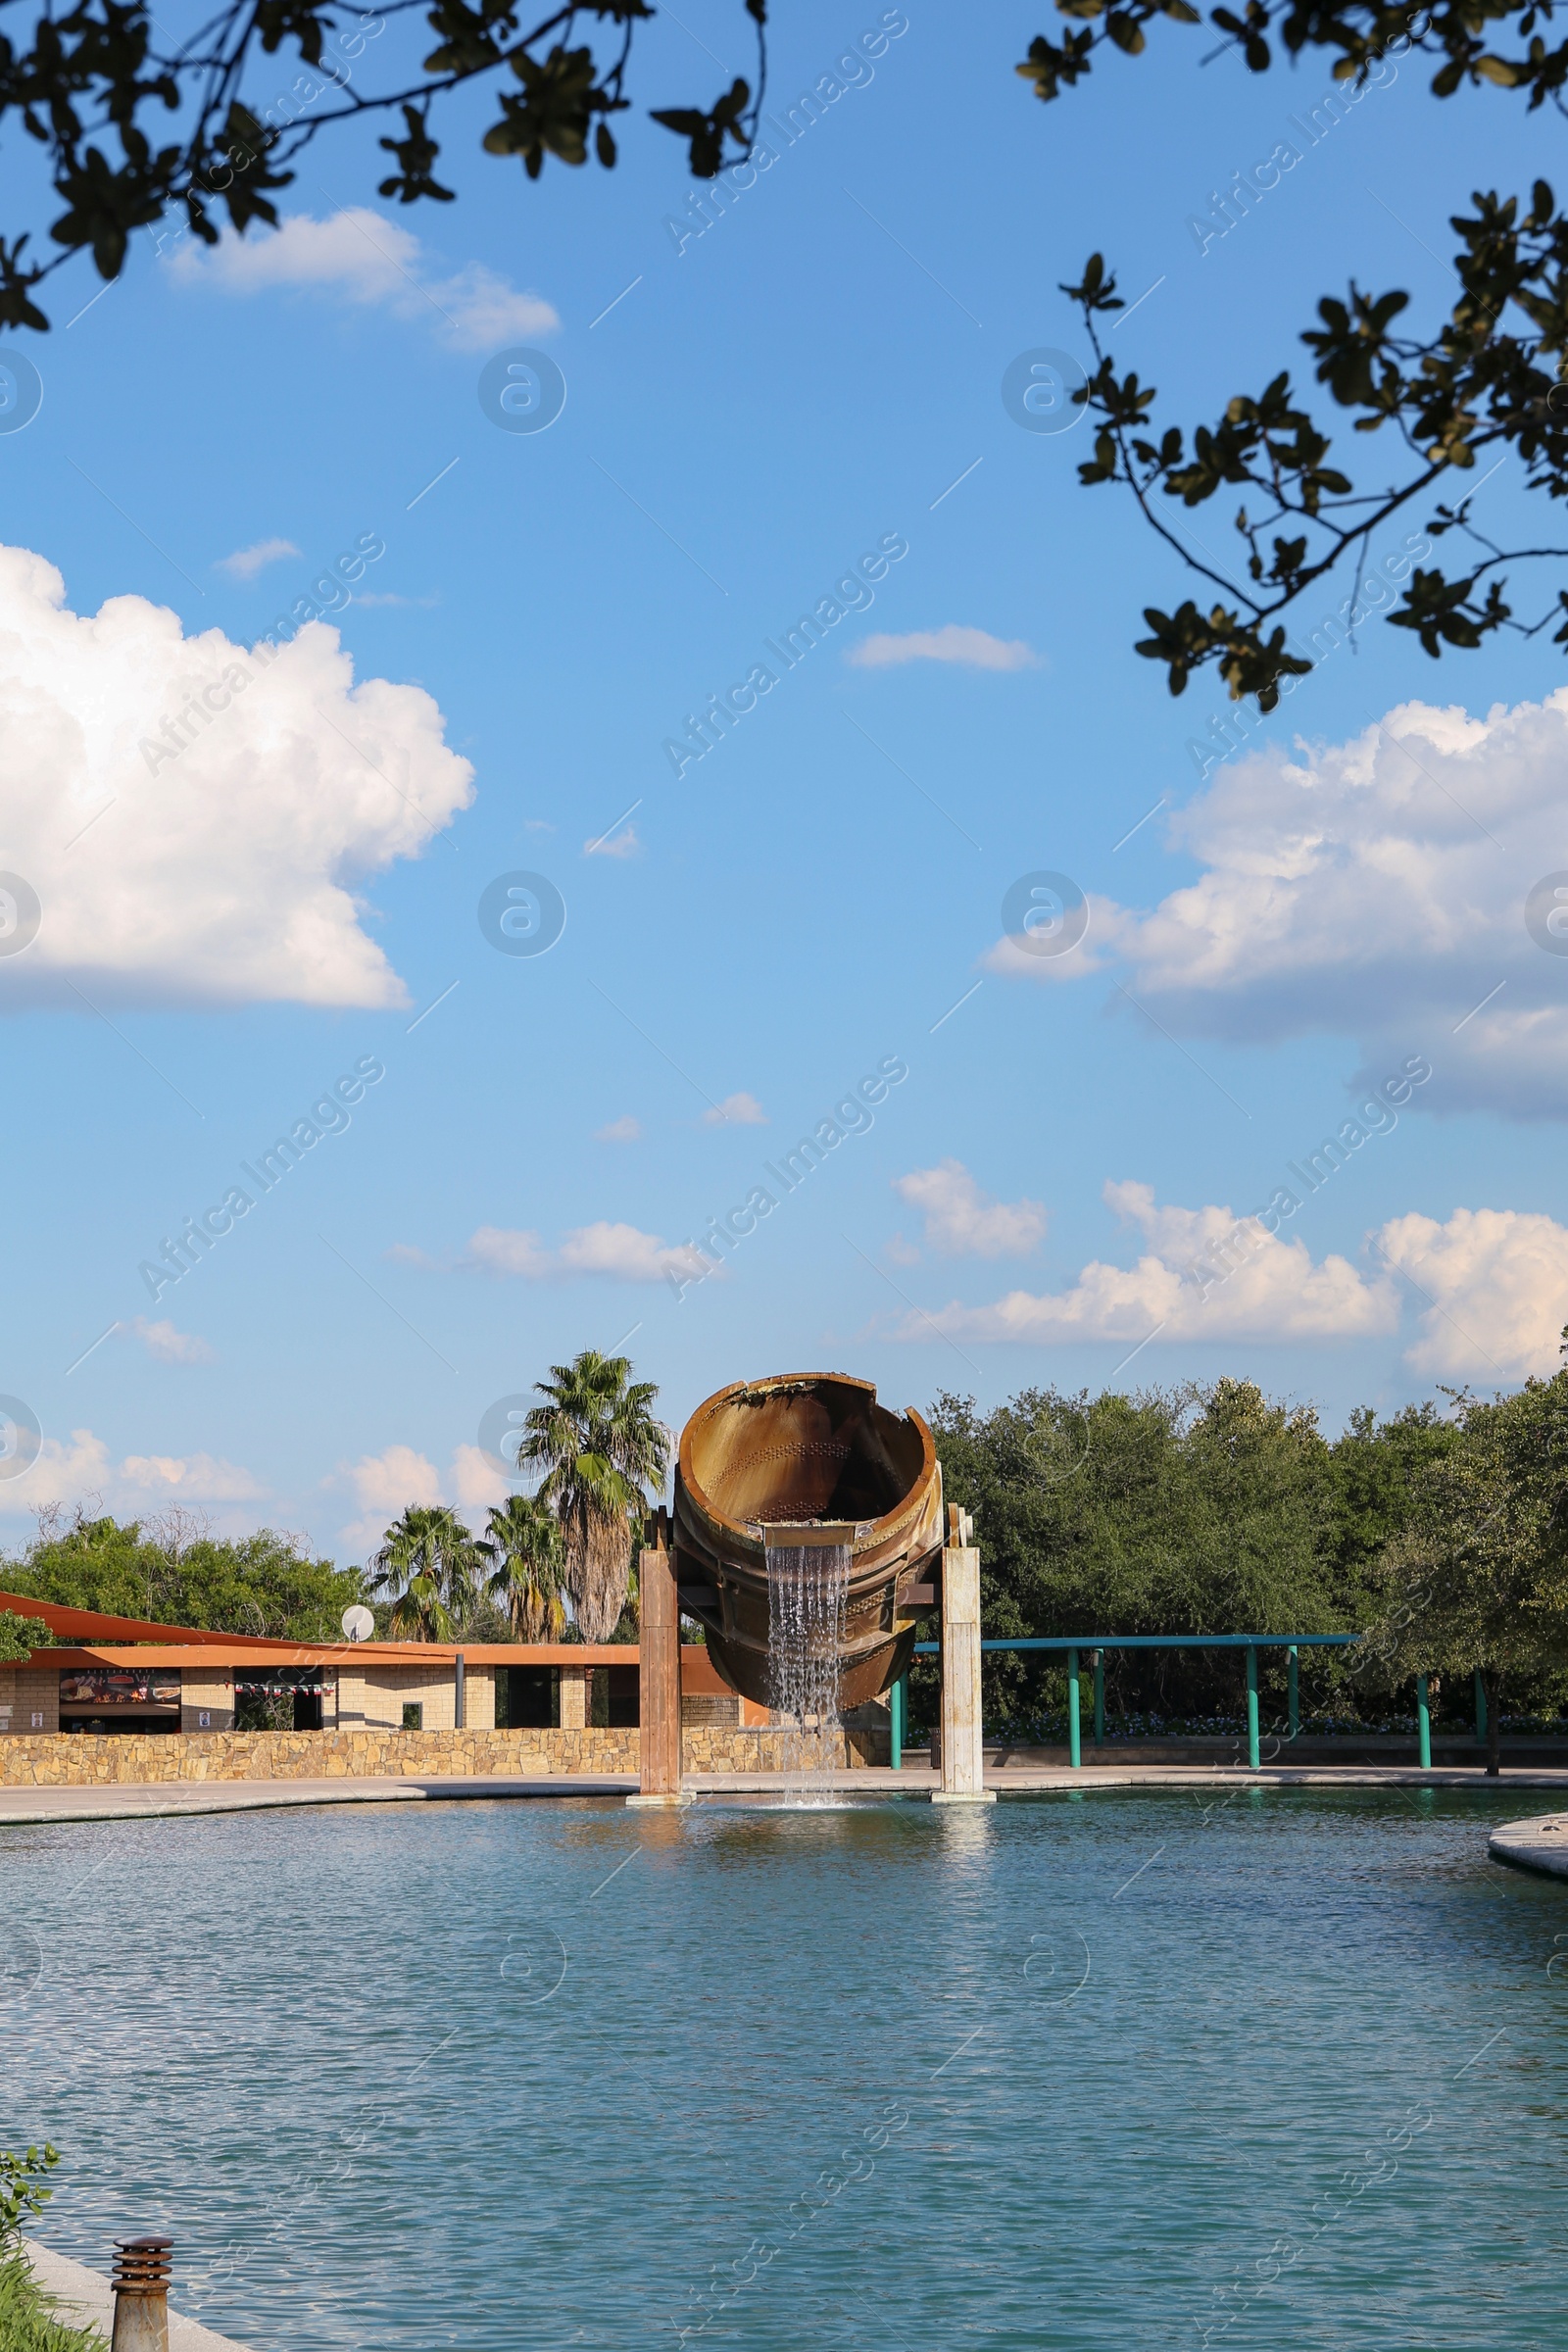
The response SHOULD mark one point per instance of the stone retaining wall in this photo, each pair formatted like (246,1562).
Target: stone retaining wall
(85,1760)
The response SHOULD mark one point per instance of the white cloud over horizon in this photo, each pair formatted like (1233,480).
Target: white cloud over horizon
(1374,888)
(1274,1291)
(1498,1283)
(963,1221)
(364,258)
(384,1485)
(81,1470)
(219,859)
(620,1252)
(970,649)
(1488,1289)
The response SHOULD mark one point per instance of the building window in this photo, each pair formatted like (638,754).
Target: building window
(413,1715)
(279,1699)
(116,1686)
(527,1698)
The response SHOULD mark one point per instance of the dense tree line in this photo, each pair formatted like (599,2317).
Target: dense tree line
(1213,1509)
(174,1570)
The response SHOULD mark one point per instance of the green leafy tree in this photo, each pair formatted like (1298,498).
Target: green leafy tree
(135,121)
(602,1450)
(173,1570)
(1478,1581)
(22,2194)
(430,1567)
(1375,1468)
(20,1636)
(1187,1510)
(1489,376)
(522,1542)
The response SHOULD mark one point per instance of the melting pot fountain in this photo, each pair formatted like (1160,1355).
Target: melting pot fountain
(806,1538)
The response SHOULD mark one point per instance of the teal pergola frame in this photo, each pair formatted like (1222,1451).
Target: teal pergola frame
(1074,1645)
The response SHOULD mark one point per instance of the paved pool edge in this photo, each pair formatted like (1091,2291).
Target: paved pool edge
(84,2298)
(1540,1844)
(31,1807)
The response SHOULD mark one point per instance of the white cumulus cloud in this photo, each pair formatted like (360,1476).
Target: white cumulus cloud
(81,1470)
(247,562)
(384,1485)
(963,1221)
(1274,1289)
(1497,1280)
(1375,889)
(197,821)
(624,844)
(626,1130)
(168,1346)
(736,1110)
(971,649)
(622,1253)
(362,257)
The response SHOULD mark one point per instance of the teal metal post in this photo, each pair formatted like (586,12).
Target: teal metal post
(1251,1707)
(1292,1675)
(1423,1721)
(1074,1754)
(1480,1710)
(1099,1699)
(896,1704)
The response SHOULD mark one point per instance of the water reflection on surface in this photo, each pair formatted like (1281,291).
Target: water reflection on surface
(1110,2069)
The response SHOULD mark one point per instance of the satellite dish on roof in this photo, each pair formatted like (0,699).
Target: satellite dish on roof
(357,1623)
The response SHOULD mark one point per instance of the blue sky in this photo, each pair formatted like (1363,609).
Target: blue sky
(747,414)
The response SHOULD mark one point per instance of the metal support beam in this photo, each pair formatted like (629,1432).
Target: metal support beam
(1100,1697)
(1074,1753)
(897,1703)
(458,1688)
(1293,1677)
(1252,1708)
(1423,1723)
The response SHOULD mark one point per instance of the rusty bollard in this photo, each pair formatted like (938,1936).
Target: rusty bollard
(141,2294)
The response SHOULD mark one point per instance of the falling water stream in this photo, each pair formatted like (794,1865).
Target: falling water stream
(807,1585)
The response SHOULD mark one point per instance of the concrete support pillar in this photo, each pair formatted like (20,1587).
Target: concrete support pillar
(658,1670)
(573,1699)
(963,1776)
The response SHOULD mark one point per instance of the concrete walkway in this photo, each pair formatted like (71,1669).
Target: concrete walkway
(1539,1844)
(109,1801)
(1023,1778)
(84,2298)
(112,1800)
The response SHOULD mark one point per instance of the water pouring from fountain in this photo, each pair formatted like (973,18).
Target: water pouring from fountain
(806,1518)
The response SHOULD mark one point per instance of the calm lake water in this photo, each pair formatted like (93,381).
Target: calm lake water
(1112,2070)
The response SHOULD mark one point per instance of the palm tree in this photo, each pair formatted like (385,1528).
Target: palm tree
(603,1450)
(430,1563)
(523,1537)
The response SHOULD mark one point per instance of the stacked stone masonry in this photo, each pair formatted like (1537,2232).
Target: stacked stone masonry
(85,1760)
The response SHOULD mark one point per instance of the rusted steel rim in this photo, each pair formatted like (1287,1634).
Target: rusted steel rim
(912,1527)
(142,2266)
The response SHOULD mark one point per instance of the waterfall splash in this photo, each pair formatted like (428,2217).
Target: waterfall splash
(806,1586)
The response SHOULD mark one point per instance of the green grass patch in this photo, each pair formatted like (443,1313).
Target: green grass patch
(26,2318)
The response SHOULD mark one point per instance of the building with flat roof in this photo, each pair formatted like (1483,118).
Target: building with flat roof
(125,1674)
